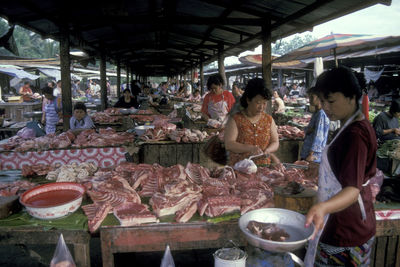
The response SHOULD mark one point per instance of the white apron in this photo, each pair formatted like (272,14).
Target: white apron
(328,186)
(218,110)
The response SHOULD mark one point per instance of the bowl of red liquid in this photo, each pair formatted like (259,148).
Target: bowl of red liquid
(53,200)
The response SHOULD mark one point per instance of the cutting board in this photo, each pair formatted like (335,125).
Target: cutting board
(9,205)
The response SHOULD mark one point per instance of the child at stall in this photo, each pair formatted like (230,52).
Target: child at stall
(80,119)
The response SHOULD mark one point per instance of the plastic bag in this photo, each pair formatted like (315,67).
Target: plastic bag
(37,127)
(62,257)
(167,260)
(375,183)
(26,133)
(246,166)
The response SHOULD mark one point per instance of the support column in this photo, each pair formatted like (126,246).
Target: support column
(221,66)
(65,62)
(103,81)
(118,79)
(202,75)
(266,58)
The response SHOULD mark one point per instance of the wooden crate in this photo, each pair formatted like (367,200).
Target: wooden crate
(168,153)
(289,150)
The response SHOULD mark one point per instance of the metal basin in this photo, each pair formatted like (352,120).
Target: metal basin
(292,222)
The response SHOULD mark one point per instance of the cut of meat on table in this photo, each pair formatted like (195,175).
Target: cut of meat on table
(167,205)
(96,213)
(186,213)
(119,186)
(15,188)
(129,214)
(37,169)
(219,205)
(196,173)
(255,199)
(268,231)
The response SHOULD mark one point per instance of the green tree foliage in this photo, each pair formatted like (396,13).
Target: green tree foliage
(30,44)
(282,47)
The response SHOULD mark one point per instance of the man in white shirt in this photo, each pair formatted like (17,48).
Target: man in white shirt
(57,90)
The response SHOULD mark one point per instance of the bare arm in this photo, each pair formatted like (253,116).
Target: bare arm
(346,197)
(231,134)
(274,142)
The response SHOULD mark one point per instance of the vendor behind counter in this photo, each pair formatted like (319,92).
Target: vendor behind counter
(386,124)
(127,100)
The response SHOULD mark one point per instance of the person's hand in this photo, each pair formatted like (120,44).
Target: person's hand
(312,171)
(397,131)
(316,216)
(255,150)
(43,120)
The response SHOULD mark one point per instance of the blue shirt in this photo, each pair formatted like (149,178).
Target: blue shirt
(316,135)
(85,123)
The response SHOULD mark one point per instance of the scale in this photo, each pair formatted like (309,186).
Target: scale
(266,253)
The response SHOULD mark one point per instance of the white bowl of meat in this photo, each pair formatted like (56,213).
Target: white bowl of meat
(140,130)
(275,230)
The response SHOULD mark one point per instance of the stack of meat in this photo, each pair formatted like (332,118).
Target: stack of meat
(37,169)
(15,188)
(105,137)
(303,121)
(106,117)
(112,111)
(87,138)
(72,172)
(164,131)
(145,111)
(290,132)
(117,196)
(181,191)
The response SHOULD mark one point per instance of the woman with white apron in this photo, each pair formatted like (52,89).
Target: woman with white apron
(344,218)
(217,103)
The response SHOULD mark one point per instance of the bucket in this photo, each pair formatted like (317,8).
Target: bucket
(230,257)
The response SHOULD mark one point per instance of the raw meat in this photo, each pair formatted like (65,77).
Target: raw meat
(268,231)
(96,214)
(130,214)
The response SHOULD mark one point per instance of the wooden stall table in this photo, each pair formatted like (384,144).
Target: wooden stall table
(202,235)
(15,111)
(37,236)
(196,235)
(102,157)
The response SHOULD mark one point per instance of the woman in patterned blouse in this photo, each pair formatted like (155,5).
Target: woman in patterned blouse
(252,131)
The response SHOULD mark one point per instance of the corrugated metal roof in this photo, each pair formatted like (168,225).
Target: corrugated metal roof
(166,37)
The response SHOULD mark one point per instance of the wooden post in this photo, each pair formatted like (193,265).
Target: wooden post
(266,58)
(221,66)
(65,79)
(103,81)
(118,79)
(280,78)
(127,76)
(202,75)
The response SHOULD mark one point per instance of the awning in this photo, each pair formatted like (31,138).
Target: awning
(21,74)
(56,74)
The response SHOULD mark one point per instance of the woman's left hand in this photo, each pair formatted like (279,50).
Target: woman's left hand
(316,215)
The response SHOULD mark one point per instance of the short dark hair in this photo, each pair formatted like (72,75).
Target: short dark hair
(126,90)
(339,80)
(253,88)
(215,79)
(58,81)
(394,106)
(312,91)
(47,90)
(27,82)
(80,105)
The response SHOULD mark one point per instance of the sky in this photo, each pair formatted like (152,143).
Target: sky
(378,19)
